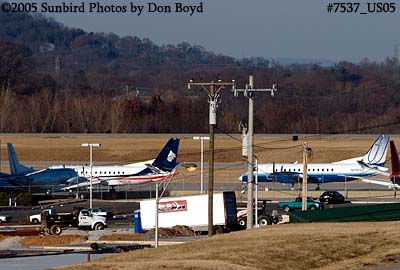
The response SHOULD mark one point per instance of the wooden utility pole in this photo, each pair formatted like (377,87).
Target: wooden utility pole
(214,88)
(249,92)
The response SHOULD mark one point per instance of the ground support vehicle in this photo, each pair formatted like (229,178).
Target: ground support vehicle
(268,214)
(191,211)
(297,203)
(54,223)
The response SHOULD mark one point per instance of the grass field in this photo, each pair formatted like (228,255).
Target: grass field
(323,246)
(125,148)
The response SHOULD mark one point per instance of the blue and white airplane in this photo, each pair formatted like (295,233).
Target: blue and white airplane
(24,178)
(163,166)
(372,163)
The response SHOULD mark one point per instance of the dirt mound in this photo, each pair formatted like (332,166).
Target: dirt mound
(176,231)
(183,231)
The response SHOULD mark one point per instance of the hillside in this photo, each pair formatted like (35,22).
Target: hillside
(69,80)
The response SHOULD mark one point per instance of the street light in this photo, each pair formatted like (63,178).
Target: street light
(189,167)
(202,139)
(91,145)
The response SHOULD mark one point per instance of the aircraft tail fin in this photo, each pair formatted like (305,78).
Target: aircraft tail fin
(166,159)
(394,159)
(376,154)
(15,166)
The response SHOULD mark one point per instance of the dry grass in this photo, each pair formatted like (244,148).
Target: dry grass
(52,240)
(294,246)
(132,148)
(119,148)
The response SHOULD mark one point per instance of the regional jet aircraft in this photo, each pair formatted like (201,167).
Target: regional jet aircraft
(372,163)
(25,178)
(142,172)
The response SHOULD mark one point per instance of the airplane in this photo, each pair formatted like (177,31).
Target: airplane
(394,181)
(24,178)
(371,163)
(163,166)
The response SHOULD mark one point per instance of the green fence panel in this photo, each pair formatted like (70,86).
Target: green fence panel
(370,212)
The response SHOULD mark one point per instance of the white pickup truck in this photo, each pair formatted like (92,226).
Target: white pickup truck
(4,218)
(37,218)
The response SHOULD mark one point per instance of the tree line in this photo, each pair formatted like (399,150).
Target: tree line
(59,79)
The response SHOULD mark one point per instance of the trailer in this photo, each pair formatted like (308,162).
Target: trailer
(191,211)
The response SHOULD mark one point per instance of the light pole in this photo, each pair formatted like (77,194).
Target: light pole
(91,145)
(202,139)
(256,204)
(190,167)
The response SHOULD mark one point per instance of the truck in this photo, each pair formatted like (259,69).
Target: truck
(4,218)
(268,214)
(191,211)
(297,203)
(54,223)
(37,218)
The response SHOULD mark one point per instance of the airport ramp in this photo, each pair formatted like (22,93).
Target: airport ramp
(370,212)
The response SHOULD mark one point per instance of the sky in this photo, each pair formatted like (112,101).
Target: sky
(295,29)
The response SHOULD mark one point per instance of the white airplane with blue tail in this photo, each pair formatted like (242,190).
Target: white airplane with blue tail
(372,163)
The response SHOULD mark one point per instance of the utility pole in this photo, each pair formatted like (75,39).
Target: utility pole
(213,89)
(249,93)
(306,156)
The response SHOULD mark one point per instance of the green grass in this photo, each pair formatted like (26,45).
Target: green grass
(290,246)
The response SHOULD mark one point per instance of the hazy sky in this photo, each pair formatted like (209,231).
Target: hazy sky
(300,29)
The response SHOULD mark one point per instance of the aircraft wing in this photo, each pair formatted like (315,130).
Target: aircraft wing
(292,178)
(84,184)
(387,183)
